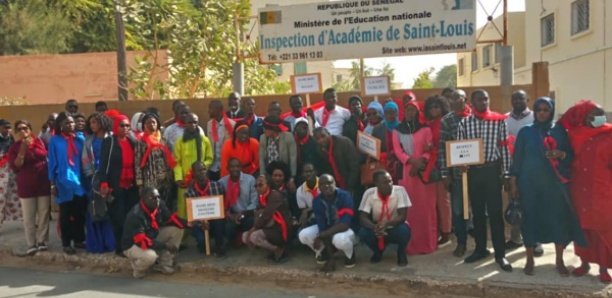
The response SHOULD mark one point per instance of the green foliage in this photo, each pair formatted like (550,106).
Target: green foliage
(423,80)
(387,70)
(446,77)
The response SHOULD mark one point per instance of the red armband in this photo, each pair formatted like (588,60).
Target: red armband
(142,240)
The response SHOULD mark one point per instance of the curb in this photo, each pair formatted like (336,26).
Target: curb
(413,284)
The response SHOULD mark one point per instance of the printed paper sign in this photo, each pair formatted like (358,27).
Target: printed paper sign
(352,29)
(205,208)
(374,86)
(464,152)
(306,83)
(368,145)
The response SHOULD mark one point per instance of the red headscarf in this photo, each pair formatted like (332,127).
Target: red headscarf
(573,121)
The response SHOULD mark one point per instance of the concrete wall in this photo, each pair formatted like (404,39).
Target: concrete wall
(45,79)
(37,114)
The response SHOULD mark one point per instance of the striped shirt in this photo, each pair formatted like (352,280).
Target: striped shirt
(494,135)
(448,132)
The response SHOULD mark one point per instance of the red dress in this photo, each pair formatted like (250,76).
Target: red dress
(590,190)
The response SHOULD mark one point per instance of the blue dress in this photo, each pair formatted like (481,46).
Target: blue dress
(548,215)
(99,237)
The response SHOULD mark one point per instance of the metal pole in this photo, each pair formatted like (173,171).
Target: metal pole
(122,84)
(237,67)
(505,22)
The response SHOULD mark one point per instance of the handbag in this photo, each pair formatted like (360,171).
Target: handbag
(98,206)
(367,171)
(514,213)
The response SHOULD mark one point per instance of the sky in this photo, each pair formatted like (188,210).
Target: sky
(408,67)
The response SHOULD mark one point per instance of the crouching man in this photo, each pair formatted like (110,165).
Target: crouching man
(333,210)
(151,233)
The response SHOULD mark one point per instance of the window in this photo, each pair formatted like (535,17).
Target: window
(580,16)
(299,68)
(547,25)
(486,55)
(278,68)
(460,66)
(498,57)
(338,78)
(474,60)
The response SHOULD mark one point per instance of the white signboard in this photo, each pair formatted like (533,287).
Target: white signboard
(374,86)
(464,152)
(365,28)
(205,208)
(368,145)
(306,83)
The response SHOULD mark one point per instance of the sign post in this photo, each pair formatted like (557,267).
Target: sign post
(464,153)
(375,86)
(306,84)
(204,209)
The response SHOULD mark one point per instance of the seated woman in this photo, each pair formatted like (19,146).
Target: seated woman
(272,218)
(242,147)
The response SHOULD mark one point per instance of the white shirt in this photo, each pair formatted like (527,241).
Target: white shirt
(336,120)
(304,196)
(515,125)
(371,204)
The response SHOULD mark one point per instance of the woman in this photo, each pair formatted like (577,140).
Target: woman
(9,199)
(242,147)
(99,237)
(64,170)
(280,177)
(272,224)
(591,140)
(435,108)
(412,144)
(80,123)
(28,159)
(154,161)
(119,180)
(540,169)
(384,132)
(375,115)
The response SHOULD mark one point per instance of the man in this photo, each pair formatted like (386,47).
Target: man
(203,187)
(71,107)
(356,122)
(333,211)
(175,109)
(332,116)
(452,177)
(192,146)
(520,116)
(241,197)
(254,122)
(306,193)
(101,106)
(485,182)
(296,104)
(47,129)
(220,129)
(341,154)
(275,109)
(151,234)
(233,104)
(175,131)
(382,217)
(307,148)
(277,145)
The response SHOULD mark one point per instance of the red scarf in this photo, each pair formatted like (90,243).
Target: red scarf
(551,144)
(296,115)
(215,128)
(153,141)
(126,180)
(303,140)
(232,193)
(326,115)
(200,191)
(431,163)
(151,214)
(332,161)
(384,212)
(489,115)
(249,119)
(179,122)
(277,216)
(72,149)
(314,192)
(466,111)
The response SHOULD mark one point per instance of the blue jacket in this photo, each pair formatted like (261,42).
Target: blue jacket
(340,211)
(66,177)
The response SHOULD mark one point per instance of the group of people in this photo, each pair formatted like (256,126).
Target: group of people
(299,176)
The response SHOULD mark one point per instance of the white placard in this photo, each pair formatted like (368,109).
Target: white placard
(352,29)
(306,83)
(374,86)
(464,152)
(368,145)
(205,208)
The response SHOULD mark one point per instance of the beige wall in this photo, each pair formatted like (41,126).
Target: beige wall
(55,78)
(37,114)
(490,76)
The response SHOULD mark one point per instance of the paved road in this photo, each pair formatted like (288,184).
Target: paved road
(30,283)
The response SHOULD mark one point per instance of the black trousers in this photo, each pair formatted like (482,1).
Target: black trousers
(485,187)
(72,220)
(124,200)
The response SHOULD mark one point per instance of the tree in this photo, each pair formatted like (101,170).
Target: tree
(446,77)
(387,70)
(423,80)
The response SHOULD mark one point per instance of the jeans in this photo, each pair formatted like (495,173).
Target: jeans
(400,235)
